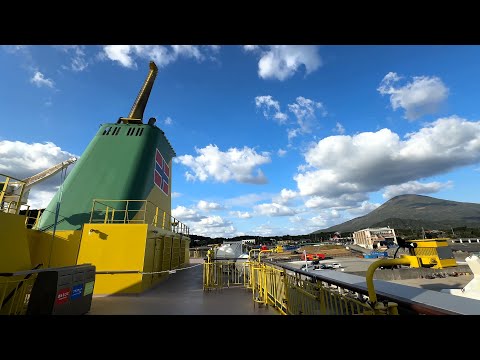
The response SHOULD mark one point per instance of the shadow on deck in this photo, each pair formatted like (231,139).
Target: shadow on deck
(181,294)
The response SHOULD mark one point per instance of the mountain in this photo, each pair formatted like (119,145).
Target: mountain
(415,211)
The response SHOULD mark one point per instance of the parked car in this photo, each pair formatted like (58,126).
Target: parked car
(336,265)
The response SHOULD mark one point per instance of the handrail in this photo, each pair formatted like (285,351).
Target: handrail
(19,196)
(11,177)
(408,298)
(147,207)
(374,266)
(9,296)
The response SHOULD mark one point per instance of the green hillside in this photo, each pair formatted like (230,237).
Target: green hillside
(415,211)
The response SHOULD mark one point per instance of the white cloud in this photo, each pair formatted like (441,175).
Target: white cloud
(176,194)
(267,103)
(283,61)
(273,209)
(120,53)
(192,51)
(306,225)
(424,95)
(168,121)
(247,200)
(184,214)
(415,187)
(304,111)
(250,47)
(369,161)
(364,208)
(267,230)
(296,219)
(240,214)
(78,60)
(234,164)
(161,55)
(281,152)
(285,196)
(341,202)
(12,49)
(339,129)
(207,206)
(41,198)
(22,160)
(40,80)
(213,226)
(291,133)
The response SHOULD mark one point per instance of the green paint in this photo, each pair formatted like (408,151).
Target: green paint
(88,288)
(114,166)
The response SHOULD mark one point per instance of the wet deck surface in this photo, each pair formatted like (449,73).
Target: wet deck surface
(181,294)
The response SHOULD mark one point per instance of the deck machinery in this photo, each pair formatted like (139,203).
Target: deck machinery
(114,208)
(428,253)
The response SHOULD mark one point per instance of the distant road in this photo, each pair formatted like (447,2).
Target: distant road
(467,247)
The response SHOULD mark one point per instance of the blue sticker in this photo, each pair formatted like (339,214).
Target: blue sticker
(76,291)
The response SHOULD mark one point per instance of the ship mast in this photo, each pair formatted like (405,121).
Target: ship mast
(136,113)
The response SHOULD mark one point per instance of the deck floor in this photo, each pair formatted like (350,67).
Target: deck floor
(181,294)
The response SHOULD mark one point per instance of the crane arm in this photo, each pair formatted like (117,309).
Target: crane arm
(136,113)
(45,174)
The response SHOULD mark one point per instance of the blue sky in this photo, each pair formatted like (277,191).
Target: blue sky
(270,140)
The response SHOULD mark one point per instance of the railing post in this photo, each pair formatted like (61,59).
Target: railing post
(4,190)
(34,226)
(106,216)
(19,204)
(155,220)
(285,285)
(126,213)
(93,209)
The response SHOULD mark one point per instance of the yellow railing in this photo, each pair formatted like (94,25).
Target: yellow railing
(10,203)
(29,219)
(224,273)
(15,294)
(289,292)
(135,211)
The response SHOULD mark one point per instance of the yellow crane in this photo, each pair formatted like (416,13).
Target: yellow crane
(14,193)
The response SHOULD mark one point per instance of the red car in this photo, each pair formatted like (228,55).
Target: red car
(311,257)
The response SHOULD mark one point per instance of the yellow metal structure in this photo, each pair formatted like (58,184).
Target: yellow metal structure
(390,307)
(14,294)
(14,249)
(134,212)
(11,202)
(115,247)
(126,255)
(54,251)
(133,239)
(289,293)
(433,253)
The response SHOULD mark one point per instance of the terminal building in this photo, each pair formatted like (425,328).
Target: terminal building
(374,238)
